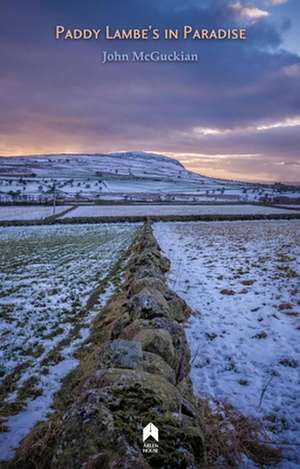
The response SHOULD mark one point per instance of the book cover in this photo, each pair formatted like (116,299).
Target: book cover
(149,234)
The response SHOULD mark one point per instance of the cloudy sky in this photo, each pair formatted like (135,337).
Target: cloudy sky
(234,114)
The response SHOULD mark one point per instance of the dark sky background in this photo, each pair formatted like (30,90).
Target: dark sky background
(235,114)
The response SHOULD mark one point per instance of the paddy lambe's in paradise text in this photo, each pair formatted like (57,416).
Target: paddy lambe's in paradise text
(187,32)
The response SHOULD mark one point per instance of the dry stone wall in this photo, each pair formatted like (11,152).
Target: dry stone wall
(136,373)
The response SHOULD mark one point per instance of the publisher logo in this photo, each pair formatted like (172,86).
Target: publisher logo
(150,439)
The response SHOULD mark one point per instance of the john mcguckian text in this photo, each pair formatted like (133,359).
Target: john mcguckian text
(153,56)
(187,32)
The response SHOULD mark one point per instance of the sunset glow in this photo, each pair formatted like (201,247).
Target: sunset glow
(242,97)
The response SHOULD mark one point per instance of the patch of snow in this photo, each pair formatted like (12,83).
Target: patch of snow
(32,212)
(241,280)
(168,210)
(48,274)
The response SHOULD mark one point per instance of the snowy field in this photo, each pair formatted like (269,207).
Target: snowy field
(290,206)
(160,210)
(33,212)
(169,186)
(47,277)
(242,281)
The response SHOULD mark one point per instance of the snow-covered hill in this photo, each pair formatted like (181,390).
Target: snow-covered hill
(122,164)
(119,176)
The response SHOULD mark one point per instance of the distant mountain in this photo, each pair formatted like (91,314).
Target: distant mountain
(115,176)
(140,165)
